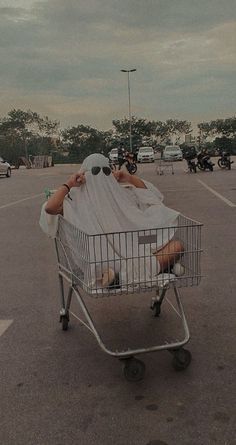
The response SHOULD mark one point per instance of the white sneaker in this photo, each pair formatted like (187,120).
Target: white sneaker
(178,269)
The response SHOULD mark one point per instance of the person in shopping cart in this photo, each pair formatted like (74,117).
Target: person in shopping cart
(98,201)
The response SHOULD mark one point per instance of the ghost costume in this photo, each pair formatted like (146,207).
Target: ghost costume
(120,214)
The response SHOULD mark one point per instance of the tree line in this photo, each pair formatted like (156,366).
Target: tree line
(26,133)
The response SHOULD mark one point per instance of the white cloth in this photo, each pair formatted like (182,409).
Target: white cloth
(48,223)
(102,206)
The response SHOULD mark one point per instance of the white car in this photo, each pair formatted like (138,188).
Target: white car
(145,154)
(172,153)
(113,155)
(5,168)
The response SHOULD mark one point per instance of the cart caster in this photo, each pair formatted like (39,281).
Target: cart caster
(182,359)
(156,307)
(64,319)
(134,369)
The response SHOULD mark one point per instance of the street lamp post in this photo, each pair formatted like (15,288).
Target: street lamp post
(130,118)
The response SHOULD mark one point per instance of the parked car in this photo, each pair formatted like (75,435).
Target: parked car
(5,168)
(172,153)
(113,155)
(145,154)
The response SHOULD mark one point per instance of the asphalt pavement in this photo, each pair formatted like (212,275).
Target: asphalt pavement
(59,387)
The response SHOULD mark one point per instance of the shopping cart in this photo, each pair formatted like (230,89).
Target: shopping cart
(164,166)
(83,259)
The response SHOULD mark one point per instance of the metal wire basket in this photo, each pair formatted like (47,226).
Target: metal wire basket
(131,255)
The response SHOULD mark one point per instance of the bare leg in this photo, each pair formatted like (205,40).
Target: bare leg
(166,257)
(108,277)
(169,254)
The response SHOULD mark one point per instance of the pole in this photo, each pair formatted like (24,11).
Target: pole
(130,117)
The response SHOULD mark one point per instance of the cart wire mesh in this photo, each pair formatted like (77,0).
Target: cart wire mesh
(164,166)
(131,256)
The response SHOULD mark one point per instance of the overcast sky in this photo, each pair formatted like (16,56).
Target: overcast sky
(62,58)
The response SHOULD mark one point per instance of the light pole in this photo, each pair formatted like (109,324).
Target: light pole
(130,118)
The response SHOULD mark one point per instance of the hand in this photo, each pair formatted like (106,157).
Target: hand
(76,180)
(122,175)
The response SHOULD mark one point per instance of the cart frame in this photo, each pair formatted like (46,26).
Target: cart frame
(134,369)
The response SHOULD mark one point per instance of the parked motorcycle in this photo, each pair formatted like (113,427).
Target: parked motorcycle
(131,166)
(192,166)
(225,162)
(204,162)
(130,163)
(190,157)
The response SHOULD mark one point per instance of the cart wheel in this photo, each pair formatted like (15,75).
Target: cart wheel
(156,307)
(64,320)
(65,323)
(134,370)
(182,359)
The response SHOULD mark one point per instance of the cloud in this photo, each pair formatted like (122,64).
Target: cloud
(66,57)
(165,15)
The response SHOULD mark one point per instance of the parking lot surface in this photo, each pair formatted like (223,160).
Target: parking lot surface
(59,387)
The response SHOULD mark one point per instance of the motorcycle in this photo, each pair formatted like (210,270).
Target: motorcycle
(225,162)
(131,166)
(192,166)
(190,157)
(128,162)
(204,162)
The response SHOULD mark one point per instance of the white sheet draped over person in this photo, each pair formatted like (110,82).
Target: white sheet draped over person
(118,217)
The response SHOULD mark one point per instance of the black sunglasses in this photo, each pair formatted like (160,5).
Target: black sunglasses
(96,170)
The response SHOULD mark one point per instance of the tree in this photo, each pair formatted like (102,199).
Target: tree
(223,144)
(222,127)
(23,129)
(141,128)
(149,132)
(225,127)
(172,127)
(83,140)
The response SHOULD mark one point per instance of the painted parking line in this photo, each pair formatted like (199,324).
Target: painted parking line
(225,200)
(10,204)
(4,325)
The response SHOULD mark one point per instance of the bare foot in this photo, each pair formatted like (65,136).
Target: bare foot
(108,277)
